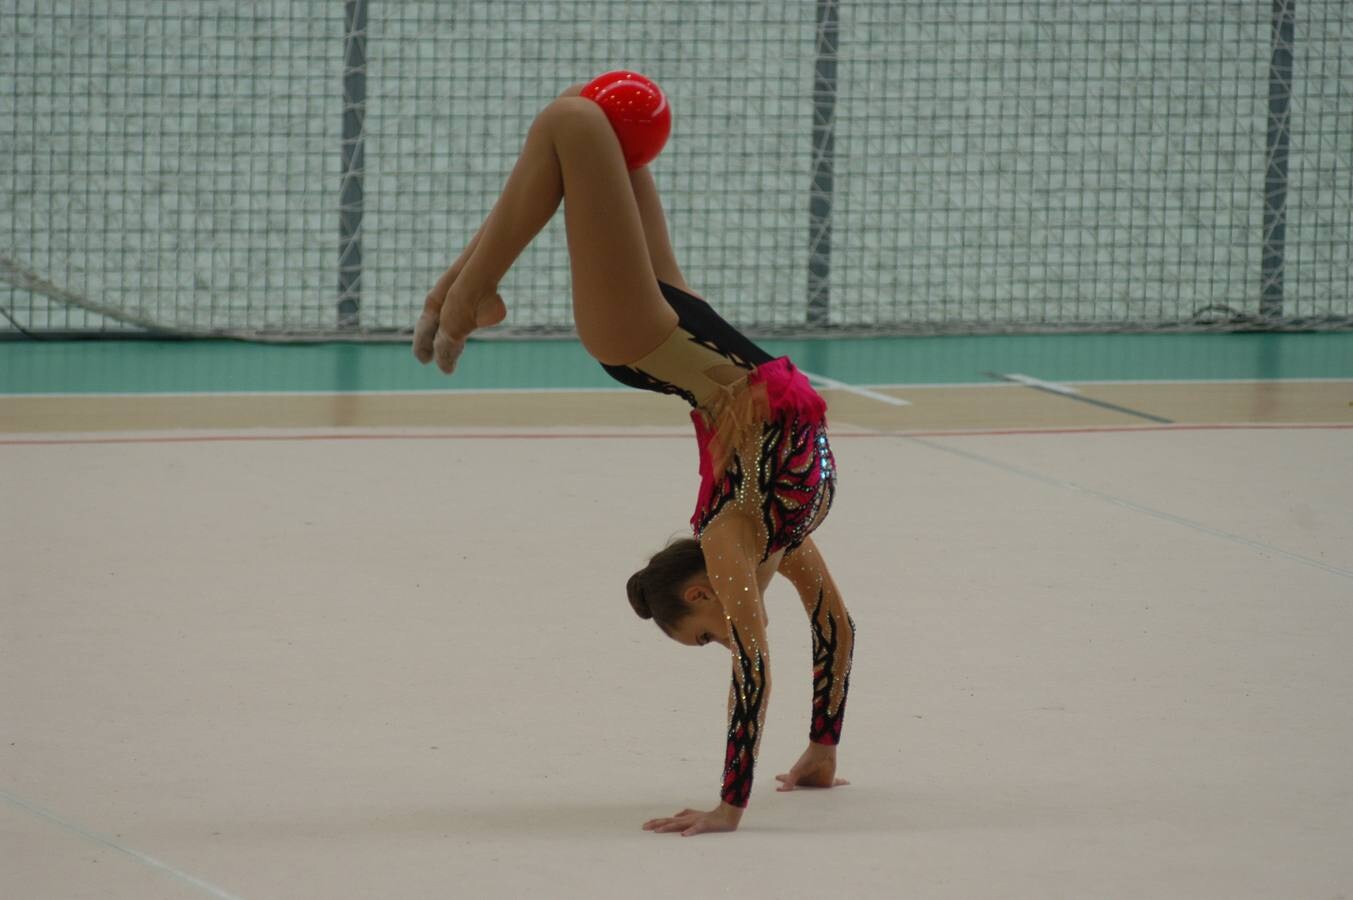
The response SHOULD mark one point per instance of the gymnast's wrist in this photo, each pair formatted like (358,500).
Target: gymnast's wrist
(731,813)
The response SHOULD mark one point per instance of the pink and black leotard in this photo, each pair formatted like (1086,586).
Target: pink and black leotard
(762,434)
(760,425)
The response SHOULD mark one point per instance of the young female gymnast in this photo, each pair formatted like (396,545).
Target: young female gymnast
(767,472)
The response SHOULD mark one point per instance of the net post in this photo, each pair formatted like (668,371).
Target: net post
(1275,159)
(353,150)
(824,151)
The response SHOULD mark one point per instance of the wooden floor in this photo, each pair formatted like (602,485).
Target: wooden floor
(930,408)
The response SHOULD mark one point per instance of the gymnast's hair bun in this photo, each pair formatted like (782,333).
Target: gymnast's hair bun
(635,589)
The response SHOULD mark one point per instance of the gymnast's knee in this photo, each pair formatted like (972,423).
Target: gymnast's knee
(573,112)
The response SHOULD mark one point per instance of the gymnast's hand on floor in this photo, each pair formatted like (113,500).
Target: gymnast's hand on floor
(816,768)
(692,821)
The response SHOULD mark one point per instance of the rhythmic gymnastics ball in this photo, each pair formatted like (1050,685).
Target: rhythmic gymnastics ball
(637,110)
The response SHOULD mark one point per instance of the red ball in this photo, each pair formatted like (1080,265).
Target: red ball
(638,113)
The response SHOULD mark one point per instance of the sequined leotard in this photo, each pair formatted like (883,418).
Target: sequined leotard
(760,426)
(761,431)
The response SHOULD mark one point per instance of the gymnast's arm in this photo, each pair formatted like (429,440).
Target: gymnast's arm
(833,649)
(729,544)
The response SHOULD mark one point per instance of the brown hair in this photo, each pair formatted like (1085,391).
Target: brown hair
(655,590)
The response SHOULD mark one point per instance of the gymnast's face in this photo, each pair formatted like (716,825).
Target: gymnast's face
(705,623)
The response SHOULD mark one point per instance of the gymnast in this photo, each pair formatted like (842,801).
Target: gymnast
(767,471)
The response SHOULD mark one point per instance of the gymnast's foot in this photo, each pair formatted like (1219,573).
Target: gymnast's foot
(440,335)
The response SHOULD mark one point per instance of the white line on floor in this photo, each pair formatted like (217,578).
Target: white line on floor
(144,859)
(826,382)
(1030,381)
(1137,507)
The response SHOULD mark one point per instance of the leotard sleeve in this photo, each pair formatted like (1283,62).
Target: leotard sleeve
(733,575)
(833,640)
(833,646)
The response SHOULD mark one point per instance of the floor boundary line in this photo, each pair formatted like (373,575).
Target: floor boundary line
(192,438)
(441,392)
(1070,393)
(1136,507)
(832,384)
(143,858)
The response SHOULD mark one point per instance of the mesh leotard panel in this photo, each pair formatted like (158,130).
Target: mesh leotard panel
(702,341)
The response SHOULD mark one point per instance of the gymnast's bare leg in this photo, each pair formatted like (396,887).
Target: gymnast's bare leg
(570,155)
